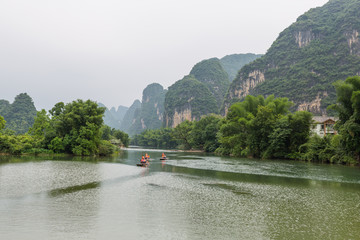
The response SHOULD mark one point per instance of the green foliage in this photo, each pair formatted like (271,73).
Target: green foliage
(2,123)
(18,144)
(56,145)
(156,138)
(108,133)
(212,74)
(182,133)
(260,129)
(324,149)
(122,136)
(106,148)
(42,129)
(73,128)
(79,122)
(263,128)
(200,135)
(290,132)
(348,108)
(204,133)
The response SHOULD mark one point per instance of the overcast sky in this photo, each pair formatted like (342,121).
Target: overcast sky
(110,50)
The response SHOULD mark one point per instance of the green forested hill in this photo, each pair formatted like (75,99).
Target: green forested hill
(234,62)
(150,113)
(182,103)
(19,115)
(322,46)
(147,114)
(188,99)
(152,107)
(212,74)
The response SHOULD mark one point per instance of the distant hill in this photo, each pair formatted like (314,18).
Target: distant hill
(113,117)
(20,115)
(119,113)
(130,116)
(199,93)
(321,47)
(150,113)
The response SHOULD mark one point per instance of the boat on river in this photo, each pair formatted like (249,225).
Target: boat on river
(142,164)
(144,161)
(163,157)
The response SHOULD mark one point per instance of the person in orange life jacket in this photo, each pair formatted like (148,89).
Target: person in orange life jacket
(143,160)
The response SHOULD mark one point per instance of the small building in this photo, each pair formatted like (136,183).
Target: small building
(324,125)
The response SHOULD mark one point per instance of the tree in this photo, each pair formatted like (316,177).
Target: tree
(2,123)
(260,129)
(289,133)
(42,129)
(252,126)
(348,108)
(78,125)
(204,133)
(182,133)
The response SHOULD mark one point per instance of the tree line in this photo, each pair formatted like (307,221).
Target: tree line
(74,128)
(265,128)
(256,127)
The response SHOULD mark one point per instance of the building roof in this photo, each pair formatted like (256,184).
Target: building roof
(321,119)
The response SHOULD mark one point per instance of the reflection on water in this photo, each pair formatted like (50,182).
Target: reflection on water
(189,196)
(72,189)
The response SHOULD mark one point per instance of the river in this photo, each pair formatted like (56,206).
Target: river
(188,196)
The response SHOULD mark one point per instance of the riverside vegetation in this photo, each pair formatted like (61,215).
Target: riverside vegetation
(256,127)
(264,128)
(75,128)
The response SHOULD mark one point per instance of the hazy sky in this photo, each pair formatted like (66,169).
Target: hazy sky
(110,50)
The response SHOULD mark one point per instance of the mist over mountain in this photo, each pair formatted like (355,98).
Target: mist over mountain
(112,117)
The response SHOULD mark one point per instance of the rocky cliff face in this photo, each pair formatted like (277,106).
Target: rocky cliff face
(314,106)
(188,99)
(321,47)
(234,62)
(252,80)
(353,42)
(180,117)
(208,81)
(303,38)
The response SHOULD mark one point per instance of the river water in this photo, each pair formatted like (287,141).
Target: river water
(188,196)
